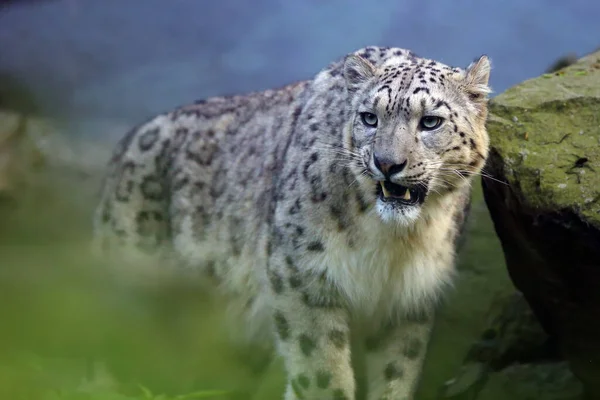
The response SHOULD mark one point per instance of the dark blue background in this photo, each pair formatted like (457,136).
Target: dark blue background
(99,62)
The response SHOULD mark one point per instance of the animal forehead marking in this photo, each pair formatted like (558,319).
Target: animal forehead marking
(404,99)
(399,81)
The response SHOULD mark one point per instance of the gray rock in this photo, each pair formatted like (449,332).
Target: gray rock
(513,348)
(544,199)
(547,381)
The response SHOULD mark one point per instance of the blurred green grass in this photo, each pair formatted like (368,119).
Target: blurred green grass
(61,314)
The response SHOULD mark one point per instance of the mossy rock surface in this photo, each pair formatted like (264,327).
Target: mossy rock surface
(546,131)
(544,199)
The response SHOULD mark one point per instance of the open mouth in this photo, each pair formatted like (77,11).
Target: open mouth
(392,193)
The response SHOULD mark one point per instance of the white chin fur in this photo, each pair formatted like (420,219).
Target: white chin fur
(403,216)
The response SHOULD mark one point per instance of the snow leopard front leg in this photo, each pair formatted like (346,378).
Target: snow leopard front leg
(395,357)
(312,333)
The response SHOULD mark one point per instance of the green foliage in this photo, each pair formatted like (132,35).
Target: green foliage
(146,395)
(69,332)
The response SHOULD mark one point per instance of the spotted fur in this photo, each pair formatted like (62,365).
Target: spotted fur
(275,200)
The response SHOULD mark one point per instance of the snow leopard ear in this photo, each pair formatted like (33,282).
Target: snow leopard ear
(476,79)
(357,71)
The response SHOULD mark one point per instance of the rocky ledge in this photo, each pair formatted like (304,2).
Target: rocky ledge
(543,193)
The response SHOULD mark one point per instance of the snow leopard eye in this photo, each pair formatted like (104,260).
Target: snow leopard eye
(369,119)
(429,123)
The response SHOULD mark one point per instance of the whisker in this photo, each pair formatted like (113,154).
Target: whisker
(446,182)
(485,175)
(467,169)
(362,173)
(463,173)
(342,152)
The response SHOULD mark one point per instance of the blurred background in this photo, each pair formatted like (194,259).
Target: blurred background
(82,72)
(119,61)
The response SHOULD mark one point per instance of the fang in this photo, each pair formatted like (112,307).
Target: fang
(406,195)
(386,193)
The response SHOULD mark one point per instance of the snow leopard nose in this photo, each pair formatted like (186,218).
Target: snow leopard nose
(388,167)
